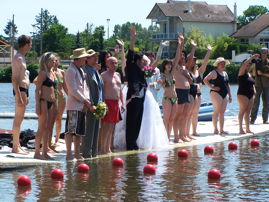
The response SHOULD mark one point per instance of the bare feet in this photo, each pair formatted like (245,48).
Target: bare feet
(69,158)
(216,132)
(242,132)
(249,131)
(24,150)
(223,132)
(195,134)
(19,151)
(102,152)
(171,143)
(40,157)
(178,141)
(79,157)
(184,139)
(48,157)
(52,151)
(191,138)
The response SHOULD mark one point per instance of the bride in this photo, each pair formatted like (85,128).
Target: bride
(152,133)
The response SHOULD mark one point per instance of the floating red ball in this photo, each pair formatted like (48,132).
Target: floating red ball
(255,143)
(117,162)
(24,181)
(152,157)
(232,145)
(57,174)
(150,169)
(83,168)
(209,149)
(214,174)
(182,153)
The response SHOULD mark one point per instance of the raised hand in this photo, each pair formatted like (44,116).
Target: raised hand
(133,32)
(180,36)
(120,42)
(164,44)
(193,43)
(256,56)
(209,47)
(117,49)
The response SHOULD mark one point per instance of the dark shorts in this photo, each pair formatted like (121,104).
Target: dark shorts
(22,90)
(75,122)
(183,96)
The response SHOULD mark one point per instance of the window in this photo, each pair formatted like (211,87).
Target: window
(244,41)
(264,32)
(264,42)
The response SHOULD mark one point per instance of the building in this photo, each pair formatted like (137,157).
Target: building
(256,32)
(5,52)
(180,16)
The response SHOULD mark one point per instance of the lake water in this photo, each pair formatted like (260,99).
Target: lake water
(244,177)
(244,173)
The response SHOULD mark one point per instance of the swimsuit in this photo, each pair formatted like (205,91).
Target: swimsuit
(183,95)
(168,83)
(193,86)
(245,86)
(60,81)
(198,81)
(22,90)
(49,83)
(48,103)
(221,82)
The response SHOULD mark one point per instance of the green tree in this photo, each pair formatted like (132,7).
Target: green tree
(251,14)
(8,31)
(221,45)
(87,36)
(57,39)
(78,41)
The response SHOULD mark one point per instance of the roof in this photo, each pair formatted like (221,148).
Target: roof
(200,11)
(3,42)
(254,27)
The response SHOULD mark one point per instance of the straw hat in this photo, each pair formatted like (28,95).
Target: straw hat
(79,53)
(92,52)
(221,59)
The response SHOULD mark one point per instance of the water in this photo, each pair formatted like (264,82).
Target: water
(7,104)
(244,177)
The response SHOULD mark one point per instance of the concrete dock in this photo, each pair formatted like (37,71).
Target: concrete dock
(204,129)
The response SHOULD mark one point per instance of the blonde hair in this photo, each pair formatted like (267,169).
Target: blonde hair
(44,61)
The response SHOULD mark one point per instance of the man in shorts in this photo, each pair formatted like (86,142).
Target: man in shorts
(21,84)
(112,94)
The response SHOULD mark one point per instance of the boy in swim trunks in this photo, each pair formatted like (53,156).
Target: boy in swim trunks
(112,94)
(21,83)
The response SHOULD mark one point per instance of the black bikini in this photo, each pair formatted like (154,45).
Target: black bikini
(193,86)
(49,83)
(245,86)
(22,90)
(198,81)
(222,82)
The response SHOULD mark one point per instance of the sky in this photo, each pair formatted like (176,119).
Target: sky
(76,14)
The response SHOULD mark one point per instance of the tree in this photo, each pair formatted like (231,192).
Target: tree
(221,45)
(8,31)
(78,41)
(47,20)
(56,39)
(251,14)
(98,39)
(87,36)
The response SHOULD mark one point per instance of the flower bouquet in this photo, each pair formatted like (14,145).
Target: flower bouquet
(149,71)
(100,110)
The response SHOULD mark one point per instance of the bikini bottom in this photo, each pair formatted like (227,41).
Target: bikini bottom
(172,100)
(22,90)
(49,103)
(60,98)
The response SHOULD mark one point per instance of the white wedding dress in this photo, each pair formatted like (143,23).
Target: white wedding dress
(152,133)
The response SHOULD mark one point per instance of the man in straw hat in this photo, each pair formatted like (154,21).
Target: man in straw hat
(261,73)
(95,85)
(77,103)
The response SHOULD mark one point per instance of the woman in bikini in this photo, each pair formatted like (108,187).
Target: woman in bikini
(245,93)
(218,93)
(198,74)
(169,102)
(60,75)
(46,103)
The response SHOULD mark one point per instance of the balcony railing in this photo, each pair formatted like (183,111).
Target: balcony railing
(163,36)
(166,54)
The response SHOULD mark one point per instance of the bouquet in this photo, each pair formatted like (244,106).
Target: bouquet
(149,71)
(100,110)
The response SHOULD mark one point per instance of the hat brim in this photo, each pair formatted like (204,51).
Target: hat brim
(80,56)
(217,62)
(93,54)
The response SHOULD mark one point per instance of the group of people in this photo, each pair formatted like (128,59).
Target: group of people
(133,119)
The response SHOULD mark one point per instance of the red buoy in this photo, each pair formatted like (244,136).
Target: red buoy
(209,149)
(214,174)
(152,157)
(255,143)
(57,174)
(182,153)
(117,162)
(24,181)
(232,145)
(83,168)
(149,169)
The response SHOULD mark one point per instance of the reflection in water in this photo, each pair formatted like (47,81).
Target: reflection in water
(244,177)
